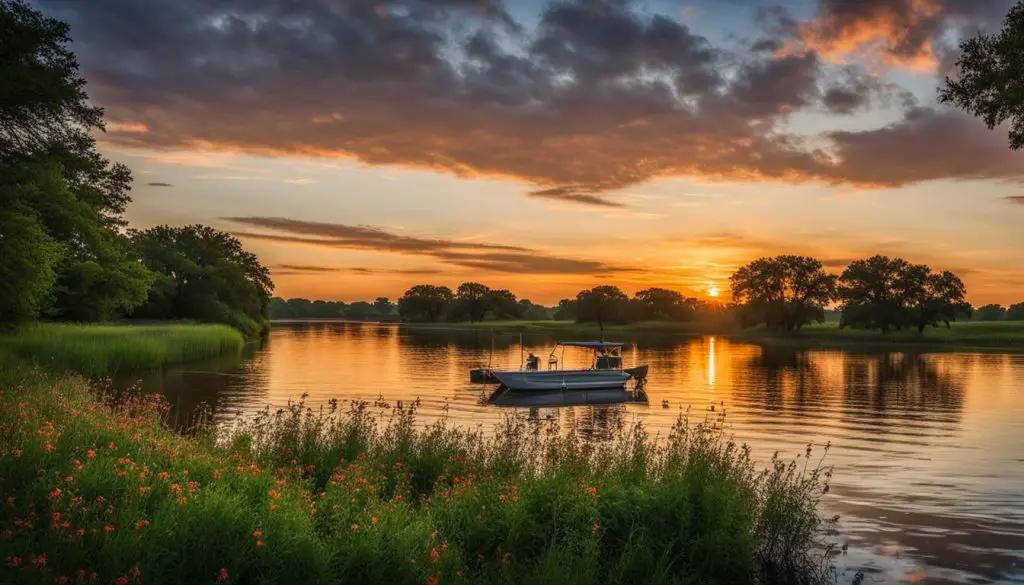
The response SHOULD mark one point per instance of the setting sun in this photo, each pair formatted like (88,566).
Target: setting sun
(712,290)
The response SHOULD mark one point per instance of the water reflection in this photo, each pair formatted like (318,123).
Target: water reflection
(926,446)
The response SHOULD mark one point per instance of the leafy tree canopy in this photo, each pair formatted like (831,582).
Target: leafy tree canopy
(990,313)
(204,274)
(784,292)
(425,302)
(53,177)
(1015,312)
(663,304)
(990,83)
(602,305)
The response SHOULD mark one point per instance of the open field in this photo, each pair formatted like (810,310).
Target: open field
(963,335)
(99,489)
(97,350)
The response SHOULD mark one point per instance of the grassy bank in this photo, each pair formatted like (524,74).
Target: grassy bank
(99,489)
(963,335)
(97,350)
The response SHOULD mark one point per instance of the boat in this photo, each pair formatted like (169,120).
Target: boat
(606,371)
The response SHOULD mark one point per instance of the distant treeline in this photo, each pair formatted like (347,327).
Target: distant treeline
(381,308)
(1000,313)
(67,253)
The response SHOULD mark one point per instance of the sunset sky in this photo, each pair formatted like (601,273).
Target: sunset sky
(360,147)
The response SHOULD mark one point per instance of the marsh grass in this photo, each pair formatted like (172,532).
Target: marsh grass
(363,493)
(100,350)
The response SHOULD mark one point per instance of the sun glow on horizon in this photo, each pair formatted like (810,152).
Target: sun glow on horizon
(712,289)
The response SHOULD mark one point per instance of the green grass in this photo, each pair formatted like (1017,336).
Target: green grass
(366,495)
(98,350)
(962,335)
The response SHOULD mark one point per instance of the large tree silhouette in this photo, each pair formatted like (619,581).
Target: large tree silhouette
(785,292)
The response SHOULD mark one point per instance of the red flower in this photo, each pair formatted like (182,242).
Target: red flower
(222,576)
(122,580)
(39,561)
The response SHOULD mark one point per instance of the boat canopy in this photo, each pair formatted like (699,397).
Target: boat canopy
(592,344)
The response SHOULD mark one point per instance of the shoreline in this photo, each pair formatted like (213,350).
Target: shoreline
(1005,336)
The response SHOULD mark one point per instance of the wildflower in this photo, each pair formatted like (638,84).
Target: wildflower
(596,526)
(13,561)
(592,491)
(10,500)
(80,575)
(458,572)
(49,447)
(139,525)
(257,533)
(122,580)
(112,446)
(38,562)
(136,572)
(93,576)
(163,475)
(273,507)
(143,489)
(373,520)
(216,474)
(435,557)
(90,454)
(55,493)
(108,528)
(259,544)
(431,581)
(355,527)
(501,498)
(62,580)
(17,452)
(222,576)
(274,494)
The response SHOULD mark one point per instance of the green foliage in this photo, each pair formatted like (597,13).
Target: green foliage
(472,300)
(990,83)
(304,496)
(425,302)
(567,310)
(50,171)
(784,292)
(204,275)
(990,313)
(659,304)
(101,350)
(601,305)
(1015,312)
(890,294)
(28,257)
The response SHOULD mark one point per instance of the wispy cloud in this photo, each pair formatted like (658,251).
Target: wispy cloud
(574,196)
(475,255)
(1015,199)
(159,184)
(296,269)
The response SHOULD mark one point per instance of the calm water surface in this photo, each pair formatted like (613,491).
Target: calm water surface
(928,448)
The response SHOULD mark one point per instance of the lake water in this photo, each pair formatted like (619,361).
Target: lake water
(928,448)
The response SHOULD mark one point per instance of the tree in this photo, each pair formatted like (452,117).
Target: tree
(425,302)
(878,292)
(472,301)
(503,305)
(990,313)
(28,257)
(566,310)
(360,310)
(990,83)
(533,312)
(49,163)
(601,304)
(383,306)
(205,274)
(940,298)
(663,304)
(1015,312)
(784,292)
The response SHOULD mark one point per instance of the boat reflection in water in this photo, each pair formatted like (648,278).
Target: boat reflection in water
(580,397)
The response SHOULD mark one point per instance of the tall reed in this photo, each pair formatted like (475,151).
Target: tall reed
(99,350)
(362,493)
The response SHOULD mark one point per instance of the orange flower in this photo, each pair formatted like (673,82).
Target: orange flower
(592,491)
(141,524)
(222,576)
(55,493)
(596,526)
(257,533)
(112,446)
(435,557)
(373,520)
(355,527)
(431,581)
(108,528)
(259,544)
(136,572)
(90,454)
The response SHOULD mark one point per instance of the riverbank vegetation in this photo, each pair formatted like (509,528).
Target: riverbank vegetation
(66,253)
(97,490)
(101,350)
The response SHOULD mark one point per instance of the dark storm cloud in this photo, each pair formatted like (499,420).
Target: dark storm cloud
(482,256)
(600,95)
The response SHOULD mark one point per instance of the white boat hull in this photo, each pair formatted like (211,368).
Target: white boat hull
(533,380)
